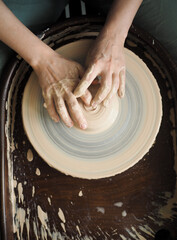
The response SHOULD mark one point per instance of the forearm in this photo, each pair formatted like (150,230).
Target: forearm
(18,37)
(120,18)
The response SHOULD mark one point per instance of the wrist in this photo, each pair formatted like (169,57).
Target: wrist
(115,34)
(41,56)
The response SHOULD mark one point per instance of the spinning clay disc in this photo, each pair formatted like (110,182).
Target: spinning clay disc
(117,137)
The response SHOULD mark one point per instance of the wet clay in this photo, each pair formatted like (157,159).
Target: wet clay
(118,135)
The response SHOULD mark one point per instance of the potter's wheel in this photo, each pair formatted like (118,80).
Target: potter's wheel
(99,151)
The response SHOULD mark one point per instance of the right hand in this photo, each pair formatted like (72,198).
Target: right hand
(105,60)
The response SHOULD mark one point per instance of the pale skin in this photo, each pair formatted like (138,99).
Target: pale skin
(58,76)
(106,58)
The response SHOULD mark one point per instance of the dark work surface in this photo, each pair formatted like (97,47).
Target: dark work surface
(147,190)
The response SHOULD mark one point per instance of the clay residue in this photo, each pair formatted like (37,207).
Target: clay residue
(140,237)
(124,213)
(80,193)
(118,204)
(63,226)
(169,210)
(49,200)
(78,229)
(100,209)
(38,172)
(61,215)
(33,191)
(20,193)
(30,155)
(43,217)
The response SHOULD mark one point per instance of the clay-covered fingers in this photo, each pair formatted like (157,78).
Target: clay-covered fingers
(104,89)
(121,90)
(75,111)
(90,74)
(62,111)
(113,91)
(118,86)
(87,97)
(49,105)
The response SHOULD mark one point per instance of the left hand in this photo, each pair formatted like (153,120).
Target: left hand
(107,61)
(58,78)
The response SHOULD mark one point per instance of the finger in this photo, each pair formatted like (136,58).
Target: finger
(49,105)
(61,107)
(87,97)
(114,88)
(87,79)
(121,90)
(76,111)
(62,111)
(103,91)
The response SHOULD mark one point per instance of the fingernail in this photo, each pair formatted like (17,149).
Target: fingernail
(45,105)
(77,94)
(121,93)
(55,119)
(86,104)
(105,103)
(83,125)
(88,101)
(70,125)
(94,105)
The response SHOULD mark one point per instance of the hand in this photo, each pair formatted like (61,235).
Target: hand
(105,60)
(58,78)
